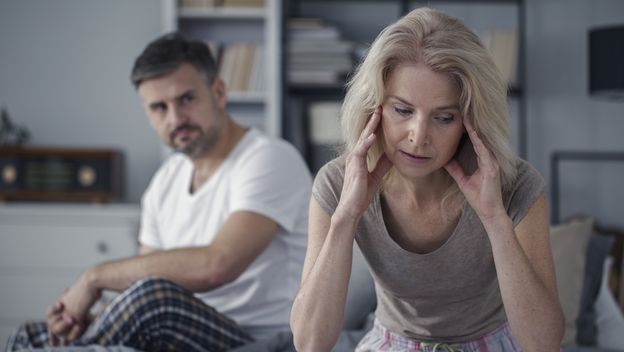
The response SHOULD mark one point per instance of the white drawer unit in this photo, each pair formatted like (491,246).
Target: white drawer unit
(44,247)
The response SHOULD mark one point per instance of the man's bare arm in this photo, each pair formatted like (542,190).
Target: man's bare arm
(241,240)
(143,249)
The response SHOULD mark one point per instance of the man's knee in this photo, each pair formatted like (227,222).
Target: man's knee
(154,292)
(147,301)
(153,283)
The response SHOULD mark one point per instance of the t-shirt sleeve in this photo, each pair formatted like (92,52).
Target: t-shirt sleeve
(272,181)
(328,185)
(148,232)
(528,186)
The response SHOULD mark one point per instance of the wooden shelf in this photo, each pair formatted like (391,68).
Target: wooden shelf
(221,12)
(246,97)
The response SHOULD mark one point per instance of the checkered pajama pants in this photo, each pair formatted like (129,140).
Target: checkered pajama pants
(152,315)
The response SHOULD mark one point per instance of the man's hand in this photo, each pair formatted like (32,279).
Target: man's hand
(58,326)
(69,316)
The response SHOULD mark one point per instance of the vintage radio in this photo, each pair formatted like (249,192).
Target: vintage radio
(55,174)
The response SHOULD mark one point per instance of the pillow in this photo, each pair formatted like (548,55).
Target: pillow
(609,318)
(569,246)
(597,251)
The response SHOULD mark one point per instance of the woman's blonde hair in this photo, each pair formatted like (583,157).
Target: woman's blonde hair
(445,45)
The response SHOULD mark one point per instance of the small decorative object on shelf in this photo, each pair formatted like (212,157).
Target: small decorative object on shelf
(60,174)
(11,134)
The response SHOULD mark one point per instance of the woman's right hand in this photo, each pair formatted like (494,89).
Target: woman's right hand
(360,185)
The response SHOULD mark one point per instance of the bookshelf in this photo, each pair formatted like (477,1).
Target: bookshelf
(253,74)
(493,20)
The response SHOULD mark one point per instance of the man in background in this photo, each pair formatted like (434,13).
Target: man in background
(223,227)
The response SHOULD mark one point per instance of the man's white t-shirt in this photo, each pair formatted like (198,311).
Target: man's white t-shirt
(263,175)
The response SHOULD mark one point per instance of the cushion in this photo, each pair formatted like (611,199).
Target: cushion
(569,247)
(597,251)
(609,317)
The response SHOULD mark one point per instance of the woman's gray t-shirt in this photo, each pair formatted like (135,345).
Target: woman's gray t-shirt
(450,294)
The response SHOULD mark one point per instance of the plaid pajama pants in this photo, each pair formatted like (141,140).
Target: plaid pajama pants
(152,315)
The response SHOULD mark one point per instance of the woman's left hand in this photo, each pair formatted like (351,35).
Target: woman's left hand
(482,189)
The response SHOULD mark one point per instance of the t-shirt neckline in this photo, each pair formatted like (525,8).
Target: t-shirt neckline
(386,234)
(231,155)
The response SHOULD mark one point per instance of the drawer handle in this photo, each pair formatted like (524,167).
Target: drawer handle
(102,248)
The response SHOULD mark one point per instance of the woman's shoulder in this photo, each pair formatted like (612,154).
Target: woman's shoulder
(328,183)
(333,168)
(527,174)
(527,187)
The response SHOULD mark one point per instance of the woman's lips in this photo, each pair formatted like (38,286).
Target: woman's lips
(416,159)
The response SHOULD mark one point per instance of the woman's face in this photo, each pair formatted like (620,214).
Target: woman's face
(421,121)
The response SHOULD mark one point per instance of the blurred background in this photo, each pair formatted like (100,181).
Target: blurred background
(64,67)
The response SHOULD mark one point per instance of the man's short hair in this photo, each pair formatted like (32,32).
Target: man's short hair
(167,53)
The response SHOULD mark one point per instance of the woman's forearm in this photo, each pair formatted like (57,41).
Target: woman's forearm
(318,309)
(534,313)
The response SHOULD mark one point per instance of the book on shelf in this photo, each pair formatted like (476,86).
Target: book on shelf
(198,3)
(304,22)
(243,3)
(304,47)
(315,77)
(337,63)
(241,66)
(317,53)
(257,79)
(311,28)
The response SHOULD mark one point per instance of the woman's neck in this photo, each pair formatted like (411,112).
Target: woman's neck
(422,191)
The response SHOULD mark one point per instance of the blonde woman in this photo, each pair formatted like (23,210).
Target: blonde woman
(453,225)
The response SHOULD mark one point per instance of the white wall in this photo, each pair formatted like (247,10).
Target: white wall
(64,67)
(562,115)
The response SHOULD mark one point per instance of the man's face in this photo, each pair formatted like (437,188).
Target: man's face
(186,112)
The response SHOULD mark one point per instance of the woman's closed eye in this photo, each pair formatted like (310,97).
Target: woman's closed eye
(445,119)
(402,111)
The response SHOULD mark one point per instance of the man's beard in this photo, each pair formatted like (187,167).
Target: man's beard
(200,145)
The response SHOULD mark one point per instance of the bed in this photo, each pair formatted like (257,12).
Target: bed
(590,278)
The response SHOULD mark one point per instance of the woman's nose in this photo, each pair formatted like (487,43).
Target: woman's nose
(418,134)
